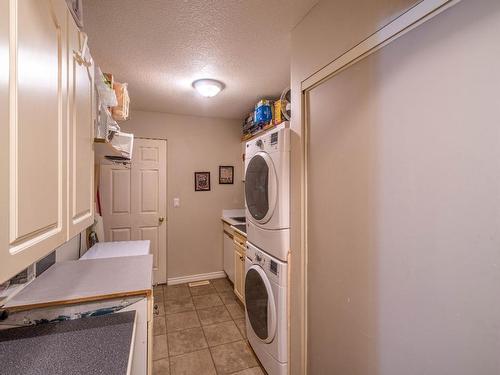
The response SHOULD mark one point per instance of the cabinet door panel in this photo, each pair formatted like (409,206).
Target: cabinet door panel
(80,120)
(33,169)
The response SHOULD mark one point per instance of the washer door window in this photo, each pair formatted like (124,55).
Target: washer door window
(260,305)
(261,187)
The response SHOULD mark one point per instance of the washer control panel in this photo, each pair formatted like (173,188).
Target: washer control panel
(275,269)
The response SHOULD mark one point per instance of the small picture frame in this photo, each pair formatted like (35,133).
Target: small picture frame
(226,174)
(201,181)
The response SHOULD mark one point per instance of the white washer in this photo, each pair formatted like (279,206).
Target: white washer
(266,309)
(267,191)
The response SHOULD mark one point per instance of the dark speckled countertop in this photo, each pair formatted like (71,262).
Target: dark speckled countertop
(96,345)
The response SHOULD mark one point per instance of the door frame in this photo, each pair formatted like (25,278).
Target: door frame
(298,299)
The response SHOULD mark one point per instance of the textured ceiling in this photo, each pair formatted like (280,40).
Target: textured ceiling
(161,47)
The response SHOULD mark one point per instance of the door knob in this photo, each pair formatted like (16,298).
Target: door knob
(161,219)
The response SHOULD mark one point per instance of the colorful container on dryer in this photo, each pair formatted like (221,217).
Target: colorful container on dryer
(263,112)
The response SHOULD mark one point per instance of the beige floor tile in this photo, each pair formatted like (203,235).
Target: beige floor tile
(236,310)
(242,326)
(174,306)
(212,315)
(196,363)
(161,367)
(186,341)
(228,298)
(202,290)
(185,320)
(250,371)
(222,333)
(233,357)
(159,326)
(176,291)
(222,285)
(160,347)
(209,300)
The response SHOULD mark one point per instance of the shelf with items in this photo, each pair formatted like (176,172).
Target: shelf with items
(268,113)
(112,106)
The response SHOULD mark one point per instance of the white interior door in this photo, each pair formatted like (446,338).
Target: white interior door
(133,200)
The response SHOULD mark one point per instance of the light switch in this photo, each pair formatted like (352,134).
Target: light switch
(177,202)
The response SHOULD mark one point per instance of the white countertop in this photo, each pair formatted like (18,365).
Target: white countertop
(117,249)
(227,215)
(89,279)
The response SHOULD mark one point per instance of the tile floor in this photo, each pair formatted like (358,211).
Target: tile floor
(201,331)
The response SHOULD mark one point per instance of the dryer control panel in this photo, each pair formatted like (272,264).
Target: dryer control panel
(275,140)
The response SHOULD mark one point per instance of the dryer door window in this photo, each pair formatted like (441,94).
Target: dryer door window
(259,191)
(260,304)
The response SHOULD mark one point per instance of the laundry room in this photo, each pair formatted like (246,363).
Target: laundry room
(280,187)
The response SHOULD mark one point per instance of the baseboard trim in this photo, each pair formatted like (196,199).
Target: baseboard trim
(199,277)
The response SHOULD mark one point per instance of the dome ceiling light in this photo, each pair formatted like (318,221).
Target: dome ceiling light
(208,87)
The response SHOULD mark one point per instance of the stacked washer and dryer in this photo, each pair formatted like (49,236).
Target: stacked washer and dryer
(267,193)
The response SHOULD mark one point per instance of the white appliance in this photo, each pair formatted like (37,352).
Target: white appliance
(266,309)
(267,191)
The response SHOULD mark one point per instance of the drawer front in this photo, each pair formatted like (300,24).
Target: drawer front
(239,239)
(227,228)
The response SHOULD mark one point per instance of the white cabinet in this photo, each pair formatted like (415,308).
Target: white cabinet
(239,266)
(229,255)
(80,134)
(46,159)
(32,132)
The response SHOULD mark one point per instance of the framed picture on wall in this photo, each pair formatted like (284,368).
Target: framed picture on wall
(226,174)
(201,181)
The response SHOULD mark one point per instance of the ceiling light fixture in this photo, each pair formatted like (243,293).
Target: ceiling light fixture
(208,87)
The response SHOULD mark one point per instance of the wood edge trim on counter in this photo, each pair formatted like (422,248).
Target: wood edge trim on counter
(145,292)
(240,234)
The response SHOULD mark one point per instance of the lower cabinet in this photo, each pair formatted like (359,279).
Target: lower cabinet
(142,350)
(239,266)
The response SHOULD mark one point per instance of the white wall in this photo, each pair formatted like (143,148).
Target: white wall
(69,250)
(404,228)
(194,144)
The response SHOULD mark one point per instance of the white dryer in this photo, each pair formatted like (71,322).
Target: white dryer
(267,191)
(266,309)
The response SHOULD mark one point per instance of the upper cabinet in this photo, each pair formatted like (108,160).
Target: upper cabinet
(80,131)
(43,128)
